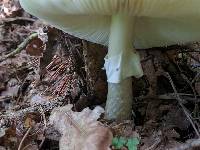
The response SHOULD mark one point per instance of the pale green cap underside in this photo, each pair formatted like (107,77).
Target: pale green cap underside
(158,22)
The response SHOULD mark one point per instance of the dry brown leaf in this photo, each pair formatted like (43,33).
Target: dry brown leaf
(35,47)
(81,130)
(9,8)
(28,122)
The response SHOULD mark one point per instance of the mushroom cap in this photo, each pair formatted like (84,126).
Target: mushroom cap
(157,22)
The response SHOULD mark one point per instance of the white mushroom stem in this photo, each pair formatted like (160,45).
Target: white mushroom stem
(119,100)
(121,63)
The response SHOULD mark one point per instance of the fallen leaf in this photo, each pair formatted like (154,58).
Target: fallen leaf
(28,122)
(35,47)
(81,130)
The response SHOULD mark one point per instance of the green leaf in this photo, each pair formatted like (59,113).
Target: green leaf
(119,142)
(132,143)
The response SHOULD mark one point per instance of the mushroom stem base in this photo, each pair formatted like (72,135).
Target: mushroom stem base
(119,100)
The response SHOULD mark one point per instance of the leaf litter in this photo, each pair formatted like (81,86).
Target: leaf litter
(52,91)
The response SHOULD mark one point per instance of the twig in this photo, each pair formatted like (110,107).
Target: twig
(193,57)
(190,51)
(43,116)
(27,146)
(180,103)
(7,118)
(20,47)
(154,145)
(42,142)
(189,145)
(196,77)
(76,124)
(18,18)
(24,137)
(187,80)
(45,125)
(171,96)
(190,84)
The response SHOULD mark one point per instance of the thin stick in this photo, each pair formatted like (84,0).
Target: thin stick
(76,124)
(18,18)
(180,103)
(25,135)
(188,145)
(45,125)
(196,77)
(27,146)
(154,145)
(8,117)
(188,81)
(20,47)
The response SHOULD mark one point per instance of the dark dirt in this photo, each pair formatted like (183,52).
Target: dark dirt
(64,69)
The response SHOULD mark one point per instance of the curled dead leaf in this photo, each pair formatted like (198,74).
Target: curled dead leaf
(81,130)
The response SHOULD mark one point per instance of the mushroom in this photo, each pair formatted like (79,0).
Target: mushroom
(123,26)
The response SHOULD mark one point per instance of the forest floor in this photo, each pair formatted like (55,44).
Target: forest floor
(43,71)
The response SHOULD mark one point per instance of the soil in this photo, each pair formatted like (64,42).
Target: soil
(60,69)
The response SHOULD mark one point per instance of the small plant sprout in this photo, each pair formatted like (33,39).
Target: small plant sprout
(123,26)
